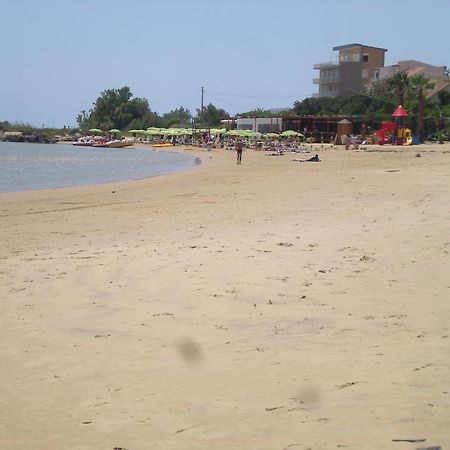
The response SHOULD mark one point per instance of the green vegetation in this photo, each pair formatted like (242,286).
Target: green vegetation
(211,116)
(377,105)
(372,110)
(117,108)
(33,134)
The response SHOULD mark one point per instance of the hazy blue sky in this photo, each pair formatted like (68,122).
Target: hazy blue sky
(58,55)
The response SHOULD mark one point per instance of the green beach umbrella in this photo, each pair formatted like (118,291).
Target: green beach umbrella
(217,131)
(271,135)
(95,130)
(114,130)
(154,131)
(171,131)
(233,133)
(134,132)
(291,133)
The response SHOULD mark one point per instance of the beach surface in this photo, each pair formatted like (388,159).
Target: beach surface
(272,305)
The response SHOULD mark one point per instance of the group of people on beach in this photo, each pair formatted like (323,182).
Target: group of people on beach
(239,147)
(353,142)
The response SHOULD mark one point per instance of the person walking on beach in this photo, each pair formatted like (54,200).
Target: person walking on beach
(239,147)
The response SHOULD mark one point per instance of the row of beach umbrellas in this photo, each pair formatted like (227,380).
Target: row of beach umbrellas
(248,134)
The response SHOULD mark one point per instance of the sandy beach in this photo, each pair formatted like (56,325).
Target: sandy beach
(273,305)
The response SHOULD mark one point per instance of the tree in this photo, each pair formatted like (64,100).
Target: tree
(308,107)
(258,112)
(211,116)
(419,85)
(399,85)
(439,117)
(372,110)
(179,116)
(444,98)
(380,89)
(115,108)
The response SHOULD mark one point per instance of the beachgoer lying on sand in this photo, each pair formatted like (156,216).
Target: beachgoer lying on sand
(314,158)
(277,153)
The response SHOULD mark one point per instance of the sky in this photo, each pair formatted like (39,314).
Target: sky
(57,56)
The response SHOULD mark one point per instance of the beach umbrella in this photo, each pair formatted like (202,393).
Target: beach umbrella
(250,134)
(271,135)
(153,131)
(291,133)
(217,131)
(172,132)
(136,131)
(95,130)
(200,130)
(114,130)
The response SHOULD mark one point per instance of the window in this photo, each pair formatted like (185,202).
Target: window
(365,57)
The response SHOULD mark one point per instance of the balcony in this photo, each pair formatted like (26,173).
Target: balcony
(334,80)
(326,65)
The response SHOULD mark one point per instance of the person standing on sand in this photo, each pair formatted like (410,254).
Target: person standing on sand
(239,147)
(347,141)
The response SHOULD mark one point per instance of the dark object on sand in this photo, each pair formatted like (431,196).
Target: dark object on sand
(314,158)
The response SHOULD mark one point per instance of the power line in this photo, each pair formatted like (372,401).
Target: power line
(245,108)
(381,99)
(254,96)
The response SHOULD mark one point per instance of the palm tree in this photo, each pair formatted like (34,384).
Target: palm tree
(419,85)
(399,84)
(439,118)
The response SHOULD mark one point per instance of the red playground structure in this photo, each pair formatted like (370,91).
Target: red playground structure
(395,133)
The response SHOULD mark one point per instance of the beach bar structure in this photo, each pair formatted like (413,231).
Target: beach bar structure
(320,128)
(260,124)
(316,128)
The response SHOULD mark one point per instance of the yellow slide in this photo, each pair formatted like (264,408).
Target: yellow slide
(407,137)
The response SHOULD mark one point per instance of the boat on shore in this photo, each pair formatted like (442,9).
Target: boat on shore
(162,145)
(116,143)
(84,142)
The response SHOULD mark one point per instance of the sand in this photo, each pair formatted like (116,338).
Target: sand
(272,305)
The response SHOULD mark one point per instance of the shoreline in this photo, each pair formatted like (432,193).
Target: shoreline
(264,305)
(202,155)
(196,161)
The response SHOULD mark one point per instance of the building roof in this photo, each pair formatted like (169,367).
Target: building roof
(342,47)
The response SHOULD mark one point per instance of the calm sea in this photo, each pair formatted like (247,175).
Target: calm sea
(26,167)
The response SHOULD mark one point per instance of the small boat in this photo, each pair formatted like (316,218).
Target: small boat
(100,143)
(118,143)
(84,142)
(162,145)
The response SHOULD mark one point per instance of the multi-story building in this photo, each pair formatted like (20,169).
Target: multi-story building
(410,67)
(438,75)
(353,69)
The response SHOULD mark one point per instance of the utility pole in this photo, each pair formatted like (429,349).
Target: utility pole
(201,110)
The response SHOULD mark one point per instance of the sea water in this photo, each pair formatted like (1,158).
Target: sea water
(26,167)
